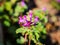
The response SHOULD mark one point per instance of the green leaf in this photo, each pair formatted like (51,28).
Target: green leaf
(25,7)
(6,23)
(8,6)
(21,40)
(45,20)
(15,19)
(1,8)
(6,17)
(16,14)
(11,12)
(19,30)
(44,31)
(18,8)
(1,17)
(13,1)
(33,39)
(37,36)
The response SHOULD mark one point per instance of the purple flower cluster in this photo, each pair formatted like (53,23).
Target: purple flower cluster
(27,23)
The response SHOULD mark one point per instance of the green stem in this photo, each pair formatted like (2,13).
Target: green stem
(29,41)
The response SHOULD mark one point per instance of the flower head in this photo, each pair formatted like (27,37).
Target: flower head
(27,23)
(28,20)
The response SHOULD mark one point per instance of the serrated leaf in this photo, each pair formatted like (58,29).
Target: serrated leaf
(18,41)
(37,36)
(19,30)
(33,39)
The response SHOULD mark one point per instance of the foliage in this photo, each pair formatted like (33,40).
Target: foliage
(56,3)
(10,13)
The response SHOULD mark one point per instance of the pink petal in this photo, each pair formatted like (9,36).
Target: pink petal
(30,13)
(36,19)
(25,18)
(22,3)
(44,9)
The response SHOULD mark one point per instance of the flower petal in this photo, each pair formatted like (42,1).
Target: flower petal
(36,19)
(30,15)
(20,20)
(25,18)
(22,3)
(44,9)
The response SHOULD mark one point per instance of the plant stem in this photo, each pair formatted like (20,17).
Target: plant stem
(25,37)
(29,42)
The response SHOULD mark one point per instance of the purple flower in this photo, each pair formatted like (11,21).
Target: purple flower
(58,1)
(24,21)
(25,17)
(23,3)
(27,24)
(44,9)
(20,20)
